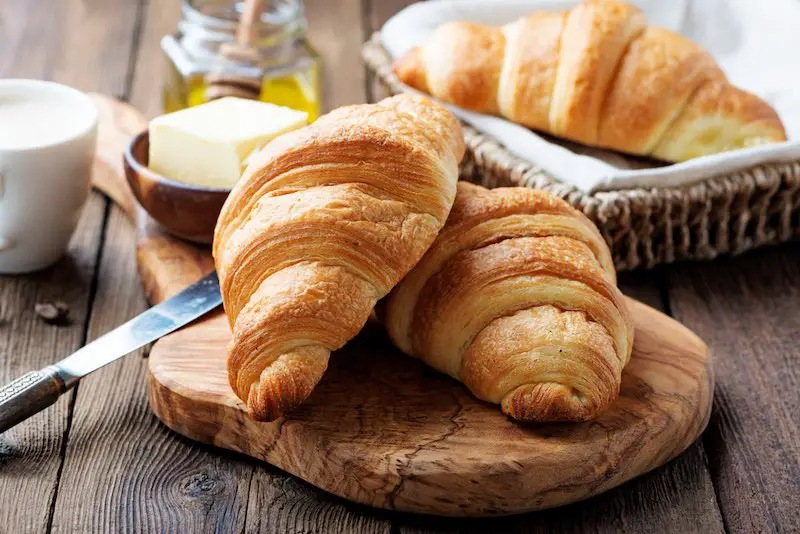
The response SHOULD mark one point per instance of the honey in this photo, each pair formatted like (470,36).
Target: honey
(285,67)
(297,91)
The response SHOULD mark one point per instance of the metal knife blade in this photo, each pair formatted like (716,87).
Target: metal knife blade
(36,390)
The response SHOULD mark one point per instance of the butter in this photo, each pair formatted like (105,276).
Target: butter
(208,145)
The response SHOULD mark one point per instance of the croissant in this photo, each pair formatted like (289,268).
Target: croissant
(596,74)
(517,299)
(323,223)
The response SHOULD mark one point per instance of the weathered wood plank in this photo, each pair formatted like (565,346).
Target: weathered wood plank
(282,503)
(747,310)
(123,471)
(30,453)
(645,286)
(160,18)
(30,36)
(95,53)
(379,11)
(66,41)
(335,31)
(86,44)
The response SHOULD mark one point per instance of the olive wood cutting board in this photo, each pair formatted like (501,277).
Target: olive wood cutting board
(384,430)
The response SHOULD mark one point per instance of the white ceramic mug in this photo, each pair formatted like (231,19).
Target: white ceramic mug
(48,133)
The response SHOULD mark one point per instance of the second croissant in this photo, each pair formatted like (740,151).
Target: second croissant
(517,299)
(596,74)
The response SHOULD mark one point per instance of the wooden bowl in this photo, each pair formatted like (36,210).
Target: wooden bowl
(187,211)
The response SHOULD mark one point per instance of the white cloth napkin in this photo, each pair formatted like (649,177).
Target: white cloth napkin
(757,44)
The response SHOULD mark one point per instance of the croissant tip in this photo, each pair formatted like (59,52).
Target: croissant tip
(286,383)
(262,408)
(410,70)
(548,402)
(268,401)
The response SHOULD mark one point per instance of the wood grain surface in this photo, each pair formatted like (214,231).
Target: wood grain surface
(39,39)
(746,461)
(751,314)
(383,430)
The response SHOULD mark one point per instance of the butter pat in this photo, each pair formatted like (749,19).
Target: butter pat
(207,145)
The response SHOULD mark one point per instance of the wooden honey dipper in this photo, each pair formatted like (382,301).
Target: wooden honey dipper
(221,84)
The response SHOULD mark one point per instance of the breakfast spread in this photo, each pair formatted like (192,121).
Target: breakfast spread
(511,292)
(324,222)
(596,74)
(208,145)
(517,299)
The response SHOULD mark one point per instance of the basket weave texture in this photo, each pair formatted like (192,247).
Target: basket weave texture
(725,214)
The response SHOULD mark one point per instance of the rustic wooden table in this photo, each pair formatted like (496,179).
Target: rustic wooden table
(100,461)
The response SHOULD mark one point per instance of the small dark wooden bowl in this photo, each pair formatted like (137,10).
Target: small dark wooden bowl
(187,211)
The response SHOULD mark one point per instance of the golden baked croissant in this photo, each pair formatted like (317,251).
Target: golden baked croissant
(596,74)
(324,222)
(517,299)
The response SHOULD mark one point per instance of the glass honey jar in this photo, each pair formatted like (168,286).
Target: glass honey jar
(280,66)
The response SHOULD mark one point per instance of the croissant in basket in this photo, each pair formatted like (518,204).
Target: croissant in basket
(517,299)
(324,222)
(596,74)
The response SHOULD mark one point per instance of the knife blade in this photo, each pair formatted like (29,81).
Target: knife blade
(35,391)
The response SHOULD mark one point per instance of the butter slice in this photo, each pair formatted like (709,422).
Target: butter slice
(208,145)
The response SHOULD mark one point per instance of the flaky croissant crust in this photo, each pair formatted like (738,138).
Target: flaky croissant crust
(596,74)
(517,299)
(324,222)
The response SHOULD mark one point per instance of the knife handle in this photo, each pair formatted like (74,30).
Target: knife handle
(28,395)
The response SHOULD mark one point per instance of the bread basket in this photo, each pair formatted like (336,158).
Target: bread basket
(724,214)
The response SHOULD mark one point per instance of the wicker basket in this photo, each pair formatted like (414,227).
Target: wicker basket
(730,213)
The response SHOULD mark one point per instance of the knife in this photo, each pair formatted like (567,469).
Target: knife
(33,392)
